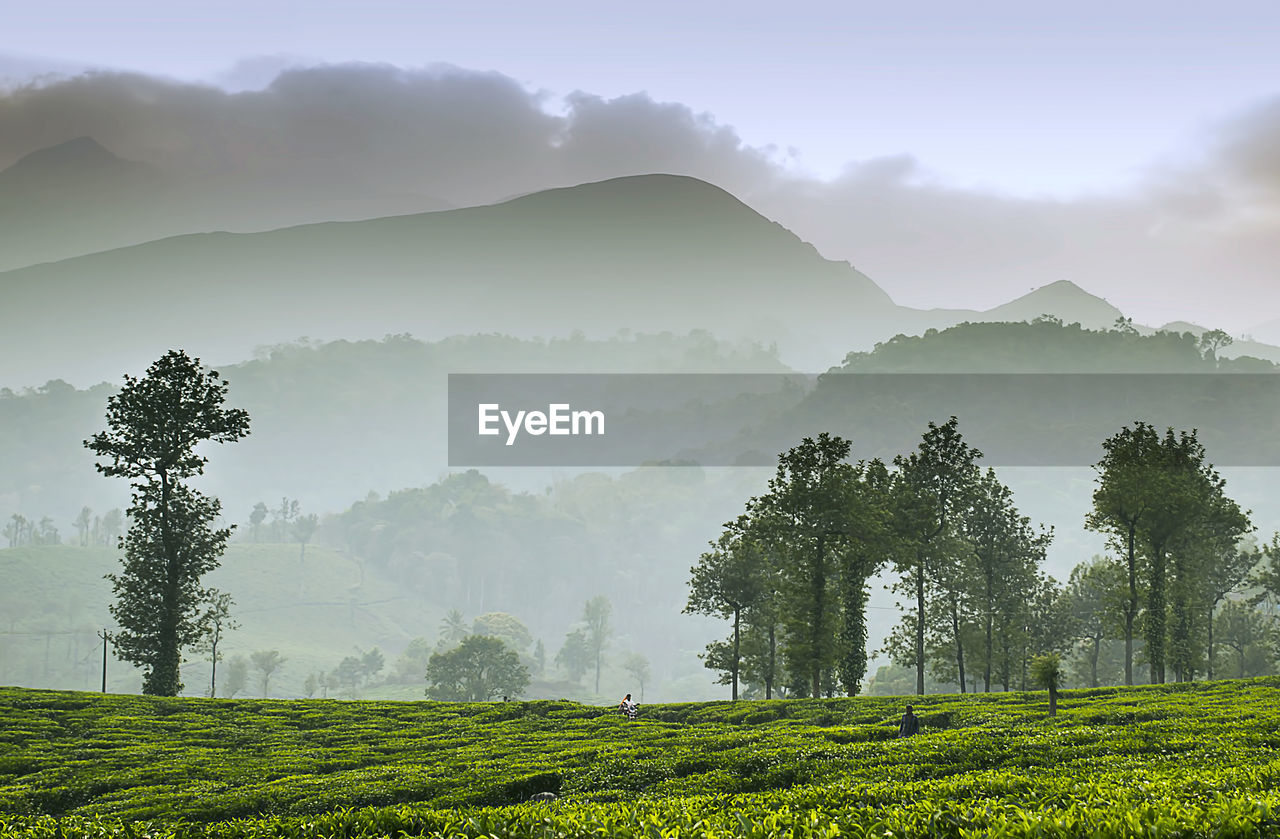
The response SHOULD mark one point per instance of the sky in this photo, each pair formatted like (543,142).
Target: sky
(979,129)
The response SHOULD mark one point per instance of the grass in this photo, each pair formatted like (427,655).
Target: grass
(1182,760)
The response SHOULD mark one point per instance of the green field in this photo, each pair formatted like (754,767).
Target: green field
(1200,759)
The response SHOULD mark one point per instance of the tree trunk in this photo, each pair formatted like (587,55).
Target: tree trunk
(819,612)
(1209,662)
(1131,607)
(773,653)
(986,671)
(1155,622)
(919,623)
(1053,698)
(1093,660)
(213,677)
(955,631)
(737,614)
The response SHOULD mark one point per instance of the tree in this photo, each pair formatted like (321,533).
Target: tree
(1094,592)
(595,614)
(266,662)
(216,620)
(453,629)
(637,667)
(257,517)
(284,516)
(1212,341)
(507,627)
(237,676)
(303,529)
(83,524)
(154,425)
(1046,670)
(575,654)
(1006,553)
(480,669)
(930,492)
(349,672)
(371,664)
(1151,490)
(1243,630)
(1225,576)
(811,519)
(726,582)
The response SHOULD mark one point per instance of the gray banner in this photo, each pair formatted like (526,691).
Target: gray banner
(747,419)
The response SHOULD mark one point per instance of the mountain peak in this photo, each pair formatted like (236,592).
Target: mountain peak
(1063,299)
(80,151)
(76,159)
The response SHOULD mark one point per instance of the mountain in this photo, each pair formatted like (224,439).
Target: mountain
(1063,299)
(77,197)
(647,253)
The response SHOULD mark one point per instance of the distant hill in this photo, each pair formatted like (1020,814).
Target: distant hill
(77,197)
(648,253)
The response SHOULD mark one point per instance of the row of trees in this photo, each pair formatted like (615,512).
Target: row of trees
(287,523)
(21,531)
(791,573)
(1166,513)
(91,530)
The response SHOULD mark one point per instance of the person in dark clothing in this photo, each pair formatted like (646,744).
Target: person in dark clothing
(910,723)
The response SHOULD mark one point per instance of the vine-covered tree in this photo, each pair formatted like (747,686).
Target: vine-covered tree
(154,425)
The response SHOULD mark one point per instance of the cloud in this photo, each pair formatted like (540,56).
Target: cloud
(1195,243)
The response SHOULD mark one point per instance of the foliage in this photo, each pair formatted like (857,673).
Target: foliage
(481,668)
(154,424)
(1192,760)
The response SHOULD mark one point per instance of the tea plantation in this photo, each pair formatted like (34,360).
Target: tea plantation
(1198,760)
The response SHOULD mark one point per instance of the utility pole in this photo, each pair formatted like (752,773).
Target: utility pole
(106,640)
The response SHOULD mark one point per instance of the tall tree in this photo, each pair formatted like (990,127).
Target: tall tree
(154,425)
(931,490)
(637,667)
(809,517)
(1227,571)
(1202,553)
(595,615)
(1095,593)
(257,517)
(266,662)
(1006,554)
(726,582)
(83,524)
(303,529)
(1149,490)
(216,621)
(453,629)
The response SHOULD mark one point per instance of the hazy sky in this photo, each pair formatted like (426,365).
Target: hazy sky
(958,153)
(1023,97)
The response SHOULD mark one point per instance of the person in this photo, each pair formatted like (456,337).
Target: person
(910,723)
(627,707)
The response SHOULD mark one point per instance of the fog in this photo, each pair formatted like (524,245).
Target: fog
(759,269)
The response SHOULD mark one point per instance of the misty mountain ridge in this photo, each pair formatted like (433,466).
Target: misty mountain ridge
(77,197)
(647,252)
